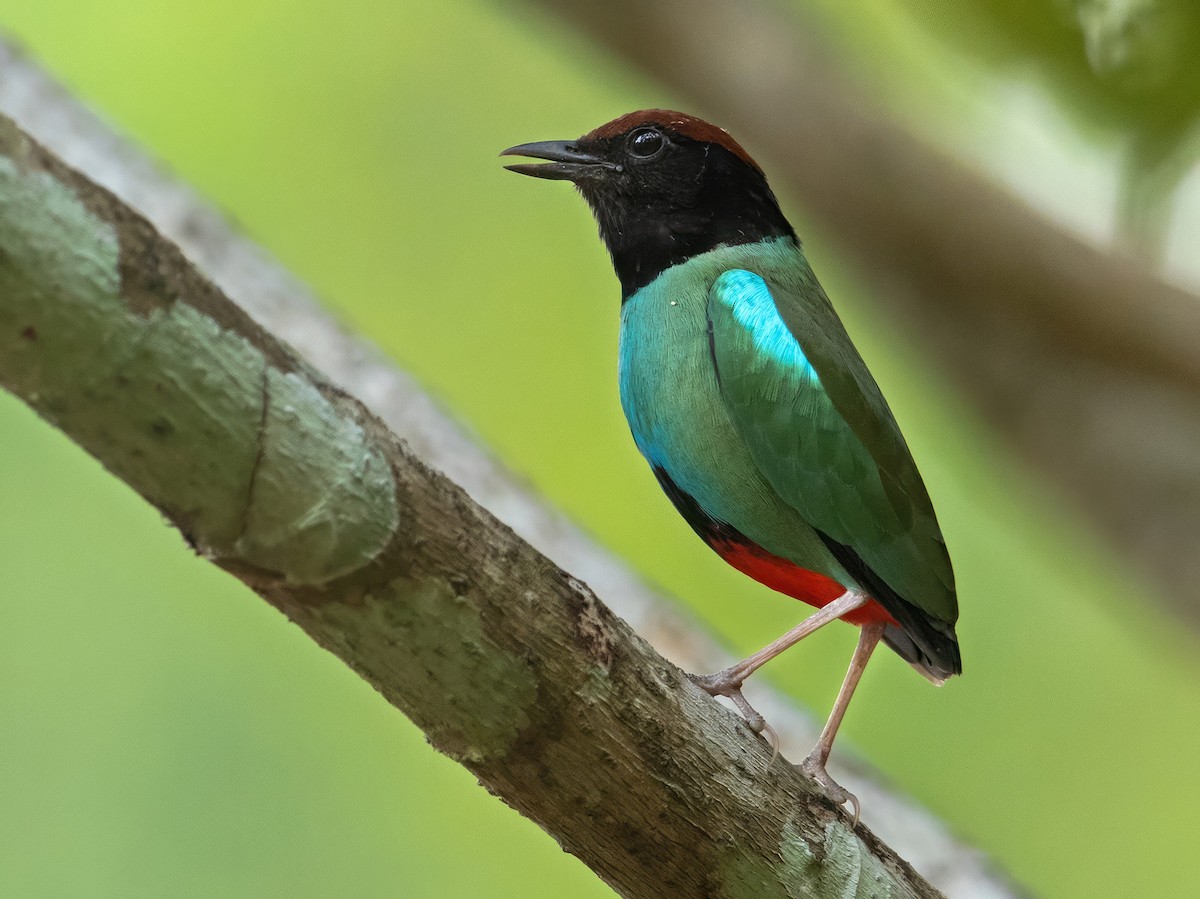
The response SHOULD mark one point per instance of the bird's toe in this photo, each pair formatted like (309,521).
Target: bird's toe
(728,683)
(815,769)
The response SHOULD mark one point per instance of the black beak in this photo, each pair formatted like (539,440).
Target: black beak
(566,163)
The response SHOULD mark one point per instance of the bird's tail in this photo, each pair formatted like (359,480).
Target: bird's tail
(895,637)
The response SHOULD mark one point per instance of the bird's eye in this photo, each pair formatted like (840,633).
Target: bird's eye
(646,142)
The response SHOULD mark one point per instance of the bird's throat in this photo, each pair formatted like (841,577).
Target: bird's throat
(643,242)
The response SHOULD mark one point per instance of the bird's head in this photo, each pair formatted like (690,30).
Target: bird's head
(664,186)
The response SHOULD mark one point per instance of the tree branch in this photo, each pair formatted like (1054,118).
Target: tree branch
(1083,359)
(275,298)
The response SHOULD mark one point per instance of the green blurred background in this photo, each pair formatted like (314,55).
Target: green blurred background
(164,732)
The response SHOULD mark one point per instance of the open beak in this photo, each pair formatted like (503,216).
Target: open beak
(566,163)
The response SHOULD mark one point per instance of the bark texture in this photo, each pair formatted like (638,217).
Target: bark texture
(1081,357)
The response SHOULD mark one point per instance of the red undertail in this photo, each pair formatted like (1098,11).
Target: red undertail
(792,580)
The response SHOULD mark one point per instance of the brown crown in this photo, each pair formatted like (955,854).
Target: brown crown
(680,123)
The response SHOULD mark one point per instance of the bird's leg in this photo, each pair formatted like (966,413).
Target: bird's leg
(814,765)
(729,682)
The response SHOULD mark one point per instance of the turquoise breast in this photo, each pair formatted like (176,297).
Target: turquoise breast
(671,398)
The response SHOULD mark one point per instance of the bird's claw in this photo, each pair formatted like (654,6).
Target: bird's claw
(815,769)
(726,683)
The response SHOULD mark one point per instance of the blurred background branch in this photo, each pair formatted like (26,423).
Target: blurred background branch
(1082,357)
(288,309)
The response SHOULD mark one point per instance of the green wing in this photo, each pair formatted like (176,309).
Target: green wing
(824,438)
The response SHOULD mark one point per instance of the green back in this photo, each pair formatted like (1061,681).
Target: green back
(818,427)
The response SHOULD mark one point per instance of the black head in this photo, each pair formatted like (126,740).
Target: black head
(664,186)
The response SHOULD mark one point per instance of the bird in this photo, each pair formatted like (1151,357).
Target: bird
(756,413)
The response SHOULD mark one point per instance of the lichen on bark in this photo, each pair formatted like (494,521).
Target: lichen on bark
(253,460)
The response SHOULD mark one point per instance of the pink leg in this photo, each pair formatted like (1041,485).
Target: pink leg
(729,682)
(814,765)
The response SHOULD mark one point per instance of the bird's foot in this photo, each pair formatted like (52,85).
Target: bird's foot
(814,767)
(728,683)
